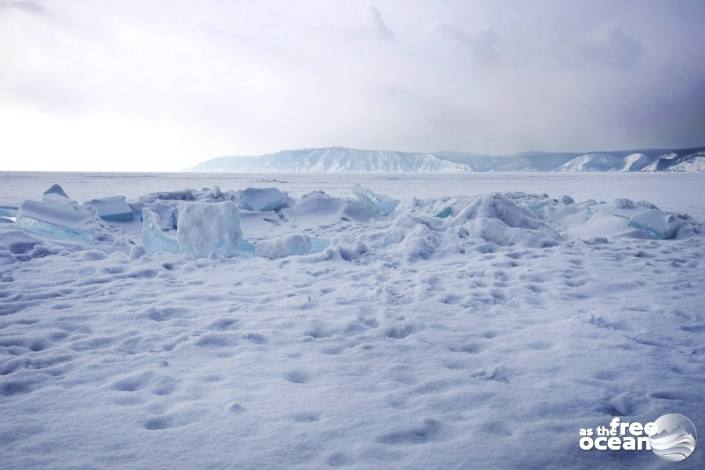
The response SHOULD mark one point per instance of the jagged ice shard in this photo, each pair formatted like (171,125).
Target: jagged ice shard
(379,203)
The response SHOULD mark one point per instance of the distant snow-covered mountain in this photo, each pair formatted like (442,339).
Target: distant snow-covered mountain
(606,161)
(334,160)
(639,160)
(346,160)
(694,161)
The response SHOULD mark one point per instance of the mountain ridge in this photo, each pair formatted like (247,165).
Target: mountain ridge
(350,160)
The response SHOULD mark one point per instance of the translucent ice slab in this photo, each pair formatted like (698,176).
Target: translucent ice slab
(57,216)
(383,205)
(153,239)
(263,199)
(209,228)
(113,209)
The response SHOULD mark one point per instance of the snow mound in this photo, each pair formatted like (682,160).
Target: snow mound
(497,219)
(482,223)
(205,229)
(621,218)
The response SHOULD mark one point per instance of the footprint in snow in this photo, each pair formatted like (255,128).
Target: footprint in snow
(160,314)
(215,340)
(222,324)
(401,331)
(428,430)
(338,459)
(132,383)
(308,417)
(296,376)
(166,386)
(173,420)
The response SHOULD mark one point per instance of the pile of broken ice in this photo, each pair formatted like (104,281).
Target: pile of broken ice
(58,216)
(209,222)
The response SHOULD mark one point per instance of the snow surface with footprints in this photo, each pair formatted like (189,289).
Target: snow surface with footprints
(413,341)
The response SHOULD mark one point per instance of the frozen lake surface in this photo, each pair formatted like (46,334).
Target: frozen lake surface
(462,330)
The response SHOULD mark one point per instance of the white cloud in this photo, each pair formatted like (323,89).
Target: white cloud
(153,85)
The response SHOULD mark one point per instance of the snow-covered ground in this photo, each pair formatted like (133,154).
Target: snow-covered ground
(476,324)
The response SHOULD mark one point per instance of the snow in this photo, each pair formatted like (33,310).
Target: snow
(20,245)
(482,339)
(206,229)
(635,162)
(284,246)
(594,162)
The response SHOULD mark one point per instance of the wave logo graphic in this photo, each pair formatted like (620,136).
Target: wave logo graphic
(675,437)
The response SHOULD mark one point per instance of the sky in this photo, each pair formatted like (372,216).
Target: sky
(91,85)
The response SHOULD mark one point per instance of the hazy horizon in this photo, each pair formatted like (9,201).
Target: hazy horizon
(164,86)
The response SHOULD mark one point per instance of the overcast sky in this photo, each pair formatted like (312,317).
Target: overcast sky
(161,85)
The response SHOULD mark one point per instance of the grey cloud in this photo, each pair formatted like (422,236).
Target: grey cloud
(487,76)
(28,6)
(481,44)
(379,27)
(617,49)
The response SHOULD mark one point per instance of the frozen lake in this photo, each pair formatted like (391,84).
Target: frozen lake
(682,192)
(483,338)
